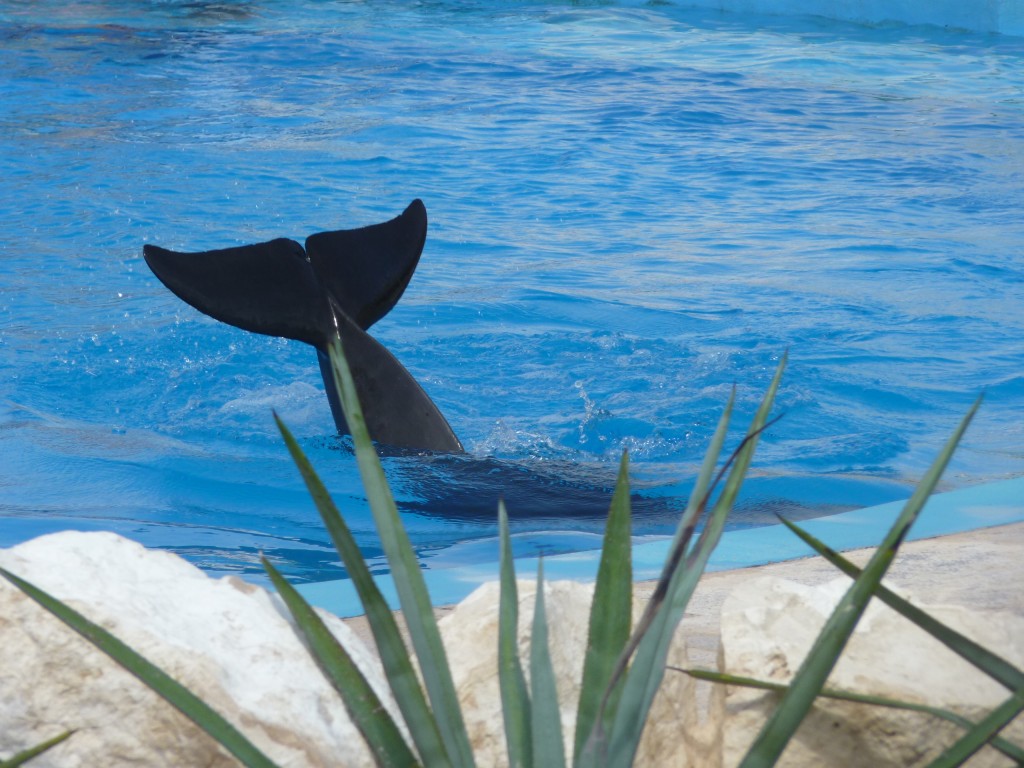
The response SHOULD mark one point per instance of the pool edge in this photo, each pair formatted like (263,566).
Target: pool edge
(959,511)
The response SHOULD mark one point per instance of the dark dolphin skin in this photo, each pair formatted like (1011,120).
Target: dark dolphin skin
(342,282)
(345,281)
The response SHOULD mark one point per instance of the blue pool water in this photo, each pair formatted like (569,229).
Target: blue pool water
(633,207)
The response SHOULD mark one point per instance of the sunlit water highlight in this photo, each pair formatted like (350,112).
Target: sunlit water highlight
(632,208)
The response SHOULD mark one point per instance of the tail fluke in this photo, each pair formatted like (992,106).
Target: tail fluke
(265,288)
(279,289)
(343,283)
(366,270)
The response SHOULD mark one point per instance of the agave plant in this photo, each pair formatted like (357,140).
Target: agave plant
(622,671)
(624,665)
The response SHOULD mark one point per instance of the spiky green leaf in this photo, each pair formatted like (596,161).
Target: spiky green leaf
(173,692)
(611,611)
(545,712)
(405,685)
(25,755)
(383,737)
(515,699)
(992,664)
(680,576)
(1009,749)
(982,733)
(810,678)
(408,580)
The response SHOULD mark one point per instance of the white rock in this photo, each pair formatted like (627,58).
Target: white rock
(228,641)
(470,635)
(232,644)
(768,627)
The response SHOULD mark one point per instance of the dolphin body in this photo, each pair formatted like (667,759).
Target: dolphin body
(345,281)
(341,283)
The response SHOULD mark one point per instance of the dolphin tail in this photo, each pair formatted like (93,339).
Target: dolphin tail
(343,283)
(366,270)
(279,289)
(397,410)
(265,288)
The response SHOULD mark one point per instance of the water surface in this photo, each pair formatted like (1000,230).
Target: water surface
(633,207)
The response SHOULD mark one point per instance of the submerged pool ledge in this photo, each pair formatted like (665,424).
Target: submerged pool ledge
(957,511)
(1002,16)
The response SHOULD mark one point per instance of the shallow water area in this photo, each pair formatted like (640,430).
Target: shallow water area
(632,207)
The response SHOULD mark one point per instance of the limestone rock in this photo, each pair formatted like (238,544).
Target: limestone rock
(233,644)
(228,641)
(470,635)
(769,625)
